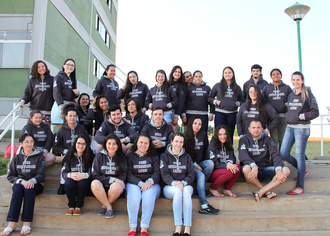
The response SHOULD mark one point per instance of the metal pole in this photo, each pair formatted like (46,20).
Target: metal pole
(299,45)
(321,135)
(13,135)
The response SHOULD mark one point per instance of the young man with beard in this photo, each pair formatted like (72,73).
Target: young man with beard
(256,78)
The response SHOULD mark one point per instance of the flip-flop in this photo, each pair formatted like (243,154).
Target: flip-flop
(217,194)
(233,195)
(24,230)
(7,231)
(272,195)
(256,198)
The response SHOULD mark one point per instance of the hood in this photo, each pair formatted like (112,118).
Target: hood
(103,151)
(33,125)
(262,136)
(260,79)
(151,122)
(203,83)
(138,114)
(169,151)
(120,123)
(65,126)
(281,84)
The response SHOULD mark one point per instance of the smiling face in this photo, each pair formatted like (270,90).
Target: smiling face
(222,136)
(177,74)
(27,144)
(157,116)
(84,101)
(197,125)
(103,104)
(80,146)
(131,107)
(69,67)
(198,78)
(276,76)
(160,77)
(36,119)
(133,78)
(253,94)
(111,147)
(228,75)
(188,77)
(297,82)
(41,69)
(115,116)
(177,144)
(71,117)
(111,72)
(142,145)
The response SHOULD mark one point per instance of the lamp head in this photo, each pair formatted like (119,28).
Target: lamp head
(297,11)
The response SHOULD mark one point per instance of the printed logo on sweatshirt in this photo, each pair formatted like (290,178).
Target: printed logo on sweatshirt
(243,147)
(199,92)
(161,165)
(211,155)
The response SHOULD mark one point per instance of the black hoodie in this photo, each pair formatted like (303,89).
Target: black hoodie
(163,133)
(138,121)
(261,83)
(262,151)
(39,93)
(220,157)
(156,98)
(24,167)
(84,120)
(176,168)
(244,118)
(76,165)
(107,87)
(277,96)
(201,145)
(139,93)
(142,168)
(123,130)
(65,137)
(42,134)
(105,169)
(62,90)
(181,99)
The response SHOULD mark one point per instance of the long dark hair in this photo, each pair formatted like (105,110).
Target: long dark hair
(181,80)
(228,144)
(223,84)
(151,150)
(97,104)
(87,157)
(34,69)
(166,85)
(260,105)
(89,99)
(190,142)
(137,104)
(129,85)
(119,156)
(73,73)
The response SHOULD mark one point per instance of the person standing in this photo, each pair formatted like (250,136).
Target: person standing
(256,78)
(302,108)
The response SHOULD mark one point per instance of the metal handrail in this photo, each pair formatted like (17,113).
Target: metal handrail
(16,108)
(322,124)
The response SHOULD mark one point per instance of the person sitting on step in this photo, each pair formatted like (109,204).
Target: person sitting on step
(261,161)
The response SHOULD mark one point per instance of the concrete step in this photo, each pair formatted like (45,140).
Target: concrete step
(302,202)
(163,222)
(43,232)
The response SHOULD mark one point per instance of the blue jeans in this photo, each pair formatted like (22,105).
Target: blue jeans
(76,190)
(29,195)
(205,119)
(134,196)
(228,119)
(202,177)
(181,200)
(299,137)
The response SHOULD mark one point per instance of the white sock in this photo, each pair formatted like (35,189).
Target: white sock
(204,206)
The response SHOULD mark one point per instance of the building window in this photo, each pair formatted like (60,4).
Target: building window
(98,69)
(102,31)
(15,49)
(109,3)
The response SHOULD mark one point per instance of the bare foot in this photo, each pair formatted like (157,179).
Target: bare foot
(215,193)
(229,193)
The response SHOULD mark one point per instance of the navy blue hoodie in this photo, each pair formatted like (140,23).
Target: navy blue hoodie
(220,157)
(201,145)
(138,121)
(261,83)
(197,102)
(42,134)
(84,120)
(181,99)
(76,165)
(156,98)
(39,93)
(62,90)
(139,93)
(107,87)
(277,96)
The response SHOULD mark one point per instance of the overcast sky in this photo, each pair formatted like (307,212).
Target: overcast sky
(211,34)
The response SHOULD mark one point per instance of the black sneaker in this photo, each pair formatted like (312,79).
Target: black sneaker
(209,210)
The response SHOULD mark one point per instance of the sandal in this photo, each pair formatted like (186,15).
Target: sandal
(229,193)
(215,193)
(6,231)
(256,196)
(270,195)
(25,230)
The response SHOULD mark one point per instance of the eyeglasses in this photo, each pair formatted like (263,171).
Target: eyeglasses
(28,142)
(72,65)
(81,144)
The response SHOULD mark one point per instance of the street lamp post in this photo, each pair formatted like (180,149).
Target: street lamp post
(297,12)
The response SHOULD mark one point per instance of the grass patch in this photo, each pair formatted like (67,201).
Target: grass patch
(3,164)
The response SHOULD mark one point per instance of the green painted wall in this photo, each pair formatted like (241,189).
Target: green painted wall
(16,6)
(62,42)
(112,16)
(13,82)
(81,10)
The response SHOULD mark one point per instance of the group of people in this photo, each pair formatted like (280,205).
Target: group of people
(131,155)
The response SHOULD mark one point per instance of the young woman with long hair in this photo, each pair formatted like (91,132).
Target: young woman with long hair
(302,108)
(98,111)
(82,107)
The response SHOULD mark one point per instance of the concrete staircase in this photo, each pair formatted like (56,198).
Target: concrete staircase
(308,213)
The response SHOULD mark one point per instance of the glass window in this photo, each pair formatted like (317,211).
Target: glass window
(98,69)
(109,3)
(12,55)
(102,31)
(2,34)
(1,53)
(18,35)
